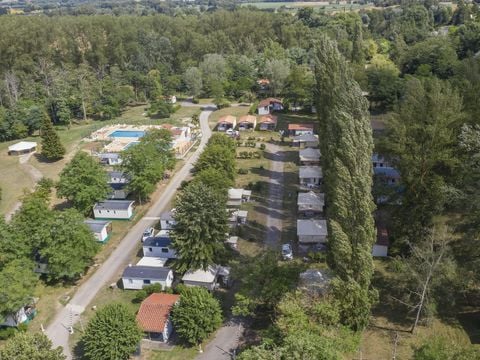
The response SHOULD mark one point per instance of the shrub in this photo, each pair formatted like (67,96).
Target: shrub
(140,296)
(262,146)
(7,332)
(195,100)
(242,171)
(253,108)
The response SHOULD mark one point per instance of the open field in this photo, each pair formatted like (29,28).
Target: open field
(317,5)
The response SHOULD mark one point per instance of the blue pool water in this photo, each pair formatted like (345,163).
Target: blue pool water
(127,134)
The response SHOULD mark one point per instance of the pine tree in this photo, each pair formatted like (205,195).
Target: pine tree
(346,149)
(52,148)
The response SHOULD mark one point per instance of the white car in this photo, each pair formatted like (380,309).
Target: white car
(148,233)
(287,253)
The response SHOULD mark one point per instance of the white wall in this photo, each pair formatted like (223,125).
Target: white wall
(380,250)
(312,239)
(263,110)
(156,251)
(167,224)
(209,286)
(113,214)
(138,284)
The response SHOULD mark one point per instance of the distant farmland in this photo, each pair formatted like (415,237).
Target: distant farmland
(324,5)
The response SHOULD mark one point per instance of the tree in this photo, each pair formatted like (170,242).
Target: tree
(71,248)
(17,283)
(52,148)
(299,88)
(193,81)
(384,84)
(27,346)
(214,68)
(83,181)
(215,179)
(347,149)
(358,55)
(201,225)
(197,315)
(277,72)
(112,334)
(217,157)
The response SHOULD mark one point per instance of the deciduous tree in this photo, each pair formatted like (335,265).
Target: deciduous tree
(27,346)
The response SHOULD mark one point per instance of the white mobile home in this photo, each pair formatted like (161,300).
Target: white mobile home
(238,196)
(136,277)
(100,228)
(312,231)
(309,157)
(167,221)
(310,176)
(205,278)
(113,209)
(310,203)
(305,141)
(159,247)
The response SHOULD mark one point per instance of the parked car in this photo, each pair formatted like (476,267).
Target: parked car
(148,233)
(287,253)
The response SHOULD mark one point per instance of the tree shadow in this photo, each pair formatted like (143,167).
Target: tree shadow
(42,159)
(470,321)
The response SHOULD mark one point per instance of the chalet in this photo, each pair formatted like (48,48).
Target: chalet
(232,241)
(153,317)
(247,122)
(305,141)
(204,278)
(22,316)
(113,209)
(387,175)
(379,161)
(136,277)
(119,191)
(300,129)
(309,156)
(22,147)
(167,221)
(312,231)
(226,122)
(238,196)
(159,247)
(267,123)
(310,176)
(380,248)
(111,159)
(310,203)
(117,177)
(101,229)
(263,84)
(238,217)
(268,105)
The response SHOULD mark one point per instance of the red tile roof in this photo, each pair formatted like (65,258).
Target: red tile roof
(230,119)
(247,119)
(155,310)
(268,119)
(268,101)
(263,82)
(382,235)
(167,126)
(300,126)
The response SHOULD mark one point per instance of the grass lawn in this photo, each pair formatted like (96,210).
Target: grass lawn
(177,353)
(285,119)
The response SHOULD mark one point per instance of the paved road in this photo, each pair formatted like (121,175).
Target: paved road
(107,272)
(225,342)
(275,196)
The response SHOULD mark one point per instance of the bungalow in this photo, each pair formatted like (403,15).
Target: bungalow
(232,241)
(119,191)
(117,177)
(226,122)
(300,129)
(158,247)
(22,147)
(379,161)
(310,176)
(309,156)
(390,176)
(22,316)
(380,248)
(268,105)
(136,277)
(113,209)
(238,196)
(263,84)
(101,229)
(205,278)
(305,141)
(111,159)
(310,203)
(267,122)
(238,217)
(167,221)
(247,122)
(153,317)
(312,231)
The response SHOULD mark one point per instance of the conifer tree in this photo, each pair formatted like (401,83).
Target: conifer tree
(346,145)
(52,148)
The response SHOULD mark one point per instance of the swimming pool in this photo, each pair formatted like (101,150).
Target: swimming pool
(133,143)
(127,134)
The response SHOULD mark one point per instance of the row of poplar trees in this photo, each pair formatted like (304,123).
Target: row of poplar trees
(346,147)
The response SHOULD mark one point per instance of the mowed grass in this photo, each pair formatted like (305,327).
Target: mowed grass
(177,353)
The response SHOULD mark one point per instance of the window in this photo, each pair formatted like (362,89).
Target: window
(130,281)
(164,250)
(150,249)
(114,212)
(146,281)
(99,211)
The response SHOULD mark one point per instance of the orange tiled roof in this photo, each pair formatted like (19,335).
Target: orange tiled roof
(248,119)
(155,310)
(227,119)
(268,101)
(268,119)
(300,126)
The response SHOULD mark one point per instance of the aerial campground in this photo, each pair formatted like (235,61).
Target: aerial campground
(239,180)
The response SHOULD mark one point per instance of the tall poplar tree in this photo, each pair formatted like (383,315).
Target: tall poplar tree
(52,147)
(346,145)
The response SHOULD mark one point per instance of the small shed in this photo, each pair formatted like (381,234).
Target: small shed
(380,248)
(205,278)
(305,141)
(309,156)
(167,221)
(101,229)
(22,147)
(300,129)
(110,159)
(232,241)
(310,203)
(268,105)
(226,122)
(238,217)
(114,209)
(387,175)
(153,317)
(159,247)
(310,176)
(312,231)
(117,177)
(238,196)
(247,122)
(136,277)
(267,122)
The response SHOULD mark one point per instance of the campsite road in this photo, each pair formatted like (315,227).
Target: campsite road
(57,331)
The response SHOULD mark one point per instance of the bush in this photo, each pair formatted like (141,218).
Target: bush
(243,171)
(253,108)
(262,146)
(140,296)
(7,332)
(195,100)
(153,288)
(221,103)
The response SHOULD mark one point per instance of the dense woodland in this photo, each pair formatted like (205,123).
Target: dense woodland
(415,66)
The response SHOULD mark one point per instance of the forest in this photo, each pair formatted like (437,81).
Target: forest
(413,68)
